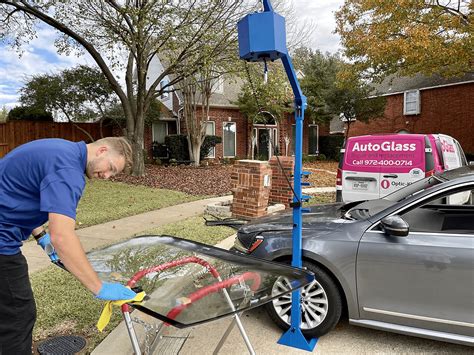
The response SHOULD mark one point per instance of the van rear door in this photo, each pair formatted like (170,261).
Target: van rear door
(375,166)
(360,175)
(403,161)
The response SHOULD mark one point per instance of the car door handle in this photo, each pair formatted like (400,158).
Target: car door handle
(393,176)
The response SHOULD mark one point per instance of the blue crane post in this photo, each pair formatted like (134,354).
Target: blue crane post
(262,36)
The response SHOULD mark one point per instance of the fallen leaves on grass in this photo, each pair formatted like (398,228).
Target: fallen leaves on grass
(210,181)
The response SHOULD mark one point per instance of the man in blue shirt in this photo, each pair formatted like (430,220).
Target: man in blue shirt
(43,181)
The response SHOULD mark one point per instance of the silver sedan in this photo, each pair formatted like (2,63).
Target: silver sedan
(403,263)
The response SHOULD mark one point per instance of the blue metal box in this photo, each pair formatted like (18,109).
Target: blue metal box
(262,35)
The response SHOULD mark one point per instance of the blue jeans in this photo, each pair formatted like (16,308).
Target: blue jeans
(17,306)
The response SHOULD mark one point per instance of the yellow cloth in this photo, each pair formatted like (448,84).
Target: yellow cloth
(104,318)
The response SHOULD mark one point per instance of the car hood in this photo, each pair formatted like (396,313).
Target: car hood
(321,217)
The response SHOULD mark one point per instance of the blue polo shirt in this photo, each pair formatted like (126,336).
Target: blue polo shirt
(37,178)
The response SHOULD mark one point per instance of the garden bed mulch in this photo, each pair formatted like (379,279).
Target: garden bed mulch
(214,180)
(198,181)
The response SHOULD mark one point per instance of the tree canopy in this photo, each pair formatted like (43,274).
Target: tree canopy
(78,94)
(408,37)
(275,96)
(125,36)
(3,114)
(29,113)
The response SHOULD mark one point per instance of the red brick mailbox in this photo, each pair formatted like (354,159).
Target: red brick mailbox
(251,183)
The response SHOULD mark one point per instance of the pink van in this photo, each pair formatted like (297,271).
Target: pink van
(375,165)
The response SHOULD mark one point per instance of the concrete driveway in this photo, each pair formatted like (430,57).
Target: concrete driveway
(264,334)
(345,339)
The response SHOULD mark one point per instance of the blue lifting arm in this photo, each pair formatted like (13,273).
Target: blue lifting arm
(267,6)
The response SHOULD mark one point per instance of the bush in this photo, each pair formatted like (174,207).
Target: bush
(330,146)
(209,143)
(313,158)
(178,147)
(29,114)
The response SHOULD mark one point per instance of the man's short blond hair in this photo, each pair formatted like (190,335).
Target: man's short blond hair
(121,146)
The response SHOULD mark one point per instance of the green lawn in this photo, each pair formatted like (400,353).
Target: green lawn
(327,197)
(105,201)
(66,307)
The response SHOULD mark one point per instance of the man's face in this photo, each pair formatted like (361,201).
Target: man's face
(104,164)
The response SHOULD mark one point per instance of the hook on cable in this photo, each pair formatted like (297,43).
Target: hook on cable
(265,71)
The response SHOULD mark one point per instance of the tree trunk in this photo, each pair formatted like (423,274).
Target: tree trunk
(138,146)
(195,151)
(348,126)
(138,158)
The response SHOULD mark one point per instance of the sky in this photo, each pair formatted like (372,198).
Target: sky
(40,56)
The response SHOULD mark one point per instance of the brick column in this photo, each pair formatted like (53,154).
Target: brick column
(250,195)
(281,192)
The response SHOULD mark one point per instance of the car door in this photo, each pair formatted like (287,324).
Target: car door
(426,279)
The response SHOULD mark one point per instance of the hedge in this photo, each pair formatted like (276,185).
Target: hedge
(178,146)
(331,146)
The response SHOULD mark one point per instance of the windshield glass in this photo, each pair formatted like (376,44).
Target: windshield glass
(188,283)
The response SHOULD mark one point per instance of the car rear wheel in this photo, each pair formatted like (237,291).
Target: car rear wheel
(321,304)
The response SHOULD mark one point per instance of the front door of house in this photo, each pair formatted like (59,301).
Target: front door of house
(263,144)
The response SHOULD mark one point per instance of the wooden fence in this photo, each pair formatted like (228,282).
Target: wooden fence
(15,133)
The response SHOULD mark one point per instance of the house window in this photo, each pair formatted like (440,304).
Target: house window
(229,138)
(159,131)
(411,102)
(275,144)
(164,95)
(211,131)
(293,139)
(313,139)
(217,85)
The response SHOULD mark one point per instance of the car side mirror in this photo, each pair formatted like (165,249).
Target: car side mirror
(395,226)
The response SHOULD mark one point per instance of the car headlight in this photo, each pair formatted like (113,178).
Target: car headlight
(247,249)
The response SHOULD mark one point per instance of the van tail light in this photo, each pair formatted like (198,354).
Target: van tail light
(429,173)
(339,177)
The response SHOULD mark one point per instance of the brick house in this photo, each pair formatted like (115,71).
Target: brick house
(422,104)
(241,138)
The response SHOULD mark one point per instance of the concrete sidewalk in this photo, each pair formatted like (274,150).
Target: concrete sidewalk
(110,232)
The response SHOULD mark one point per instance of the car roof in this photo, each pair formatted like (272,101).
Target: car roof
(462,172)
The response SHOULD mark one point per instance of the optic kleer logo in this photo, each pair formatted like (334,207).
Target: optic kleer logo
(387,146)
(385,184)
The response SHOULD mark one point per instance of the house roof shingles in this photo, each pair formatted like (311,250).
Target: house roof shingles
(395,85)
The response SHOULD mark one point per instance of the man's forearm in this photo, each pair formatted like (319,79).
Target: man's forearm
(70,251)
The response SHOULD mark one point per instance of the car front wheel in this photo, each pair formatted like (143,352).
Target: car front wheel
(321,304)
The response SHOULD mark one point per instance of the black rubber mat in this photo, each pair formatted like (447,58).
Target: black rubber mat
(62,345)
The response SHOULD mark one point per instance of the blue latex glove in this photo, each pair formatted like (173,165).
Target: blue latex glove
(115,292)
(45,243)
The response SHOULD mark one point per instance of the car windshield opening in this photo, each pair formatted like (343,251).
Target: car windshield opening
(414,188)
(364,209)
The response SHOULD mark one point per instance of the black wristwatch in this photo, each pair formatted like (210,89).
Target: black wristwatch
(42,234)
